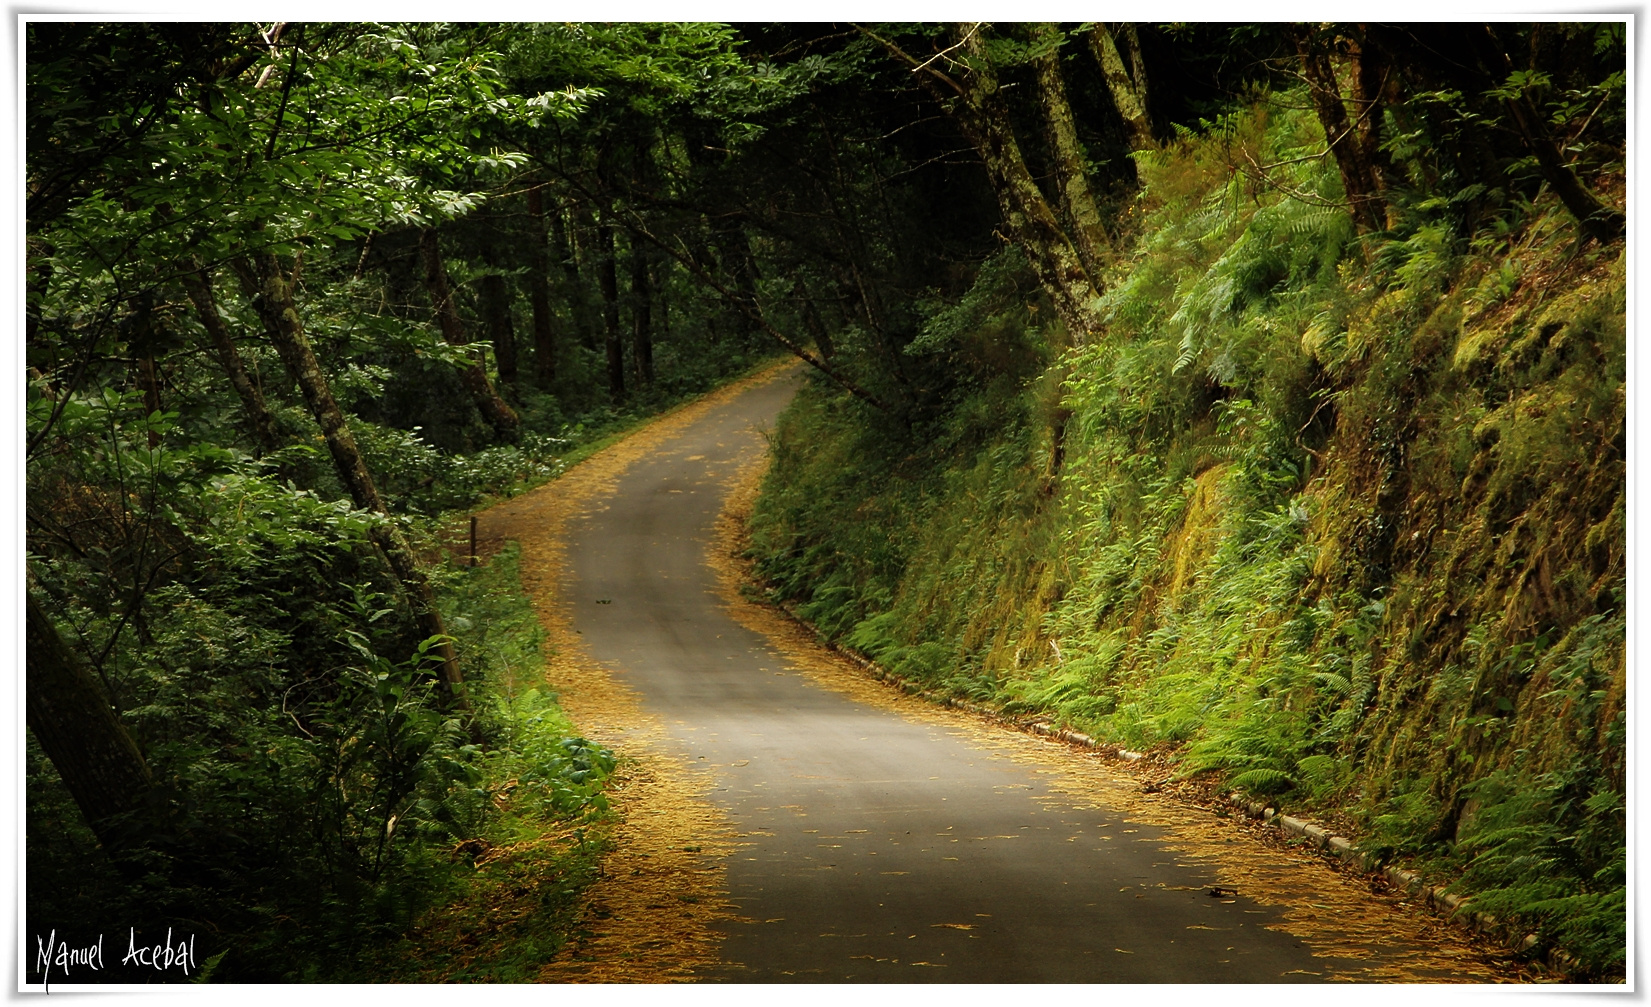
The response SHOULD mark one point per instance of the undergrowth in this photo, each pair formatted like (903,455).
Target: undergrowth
(512,898)
(396,803)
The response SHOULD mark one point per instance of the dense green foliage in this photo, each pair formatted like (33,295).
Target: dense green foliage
(331,834)
(1340,518)
(310,780)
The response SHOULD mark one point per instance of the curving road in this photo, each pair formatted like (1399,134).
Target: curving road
(880,850)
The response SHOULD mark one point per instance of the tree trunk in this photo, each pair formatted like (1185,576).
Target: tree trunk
(1071,176)
(608,278)
(197,283)
(641,256)
(496,309)
(538,293)
(71,717)
(584,322)
(984,119)
(1358,177)
(737,264)
(1129,96)
(151,393)
(1374,86)
(1598,221)
(1138,73)
(141,338)
(642,335)
(286,330)
(495,410)
(1430,58)
(662,293)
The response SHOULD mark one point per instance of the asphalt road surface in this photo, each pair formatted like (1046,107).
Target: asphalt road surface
(881,850)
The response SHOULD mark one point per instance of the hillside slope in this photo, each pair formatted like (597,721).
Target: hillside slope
(1339,517)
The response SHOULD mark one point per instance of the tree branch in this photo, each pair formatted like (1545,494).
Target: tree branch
(912,62)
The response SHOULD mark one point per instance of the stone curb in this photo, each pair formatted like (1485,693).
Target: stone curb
(1450,905)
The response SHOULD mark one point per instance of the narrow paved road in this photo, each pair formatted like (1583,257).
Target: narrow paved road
(880,849)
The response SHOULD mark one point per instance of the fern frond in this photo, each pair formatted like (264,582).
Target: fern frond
(1334,684)
(1264,781)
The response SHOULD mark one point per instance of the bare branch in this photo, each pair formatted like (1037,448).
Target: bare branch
(911,61)
(956,45)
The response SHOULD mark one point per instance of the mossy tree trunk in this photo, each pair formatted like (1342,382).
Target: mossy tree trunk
(988,125)
(286,330)
(1071,175)
(197,283)
(975,101)
(77,728)
(1129,91)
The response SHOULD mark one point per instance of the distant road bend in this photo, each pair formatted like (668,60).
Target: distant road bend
(883,847)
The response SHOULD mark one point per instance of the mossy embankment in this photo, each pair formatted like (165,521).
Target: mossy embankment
(1340,517)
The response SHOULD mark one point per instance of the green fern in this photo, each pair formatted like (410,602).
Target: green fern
(1264,781)
(1332,684)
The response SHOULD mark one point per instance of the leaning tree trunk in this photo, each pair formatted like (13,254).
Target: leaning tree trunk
(1358,175)
(1138,73)
(538,293)
(495,410)
(71,717)
(1598,221)
(984,118)
(197,283)
(1071,176)
(812,322)
(286,331)
(608,278)
(1129,95)
(976,103)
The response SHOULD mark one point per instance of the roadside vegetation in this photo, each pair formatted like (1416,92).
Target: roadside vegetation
(1334,513)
